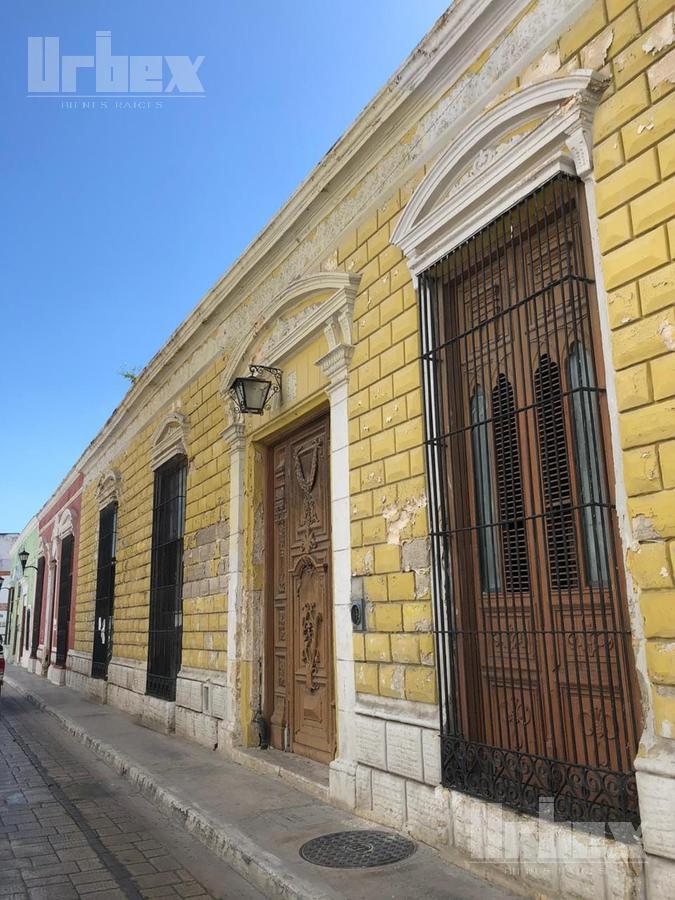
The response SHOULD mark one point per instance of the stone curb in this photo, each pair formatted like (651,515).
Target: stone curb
(264,870)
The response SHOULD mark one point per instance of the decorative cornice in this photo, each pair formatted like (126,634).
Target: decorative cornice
(432,93)
(170,439)
(489,167)
(108,488)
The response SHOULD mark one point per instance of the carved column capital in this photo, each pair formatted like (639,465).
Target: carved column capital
(234,436)
(335,364)
(579,139)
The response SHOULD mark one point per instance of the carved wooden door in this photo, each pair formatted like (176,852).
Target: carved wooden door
(300,669)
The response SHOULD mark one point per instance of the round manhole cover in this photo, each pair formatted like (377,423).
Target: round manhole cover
(357,849)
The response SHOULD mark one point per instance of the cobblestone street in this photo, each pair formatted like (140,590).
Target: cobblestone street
(72,828)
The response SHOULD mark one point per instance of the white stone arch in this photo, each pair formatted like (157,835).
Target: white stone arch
(64,524)
(332,315)
(498,161)
(170,439)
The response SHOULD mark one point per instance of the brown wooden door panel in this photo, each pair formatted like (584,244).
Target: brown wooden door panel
(302,683)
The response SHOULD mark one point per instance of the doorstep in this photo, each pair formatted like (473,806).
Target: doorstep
(255,821)
(305,774)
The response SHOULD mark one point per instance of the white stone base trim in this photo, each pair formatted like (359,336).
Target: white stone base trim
(396,783)
(126,684)
(78,676)
(660,877)
(197,726)
(523,852)
(655,775)
(130,702)
(160,715)
(126,690)
(342,782)
(201,703)
(410,712)
(56,674)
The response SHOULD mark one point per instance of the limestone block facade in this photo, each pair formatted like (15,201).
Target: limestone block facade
(501,97)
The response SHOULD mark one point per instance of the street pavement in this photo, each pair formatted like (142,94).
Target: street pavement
(252,819)
(72,828)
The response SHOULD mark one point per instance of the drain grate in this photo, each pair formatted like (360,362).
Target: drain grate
(357,849)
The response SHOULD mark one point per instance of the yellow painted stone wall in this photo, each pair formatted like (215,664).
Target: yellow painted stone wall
(635,171)
(205,596)
(134,528)
(395,656)
(86,571)
(632,44)
(206,525)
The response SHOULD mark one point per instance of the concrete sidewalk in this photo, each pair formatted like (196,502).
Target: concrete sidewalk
(255,822)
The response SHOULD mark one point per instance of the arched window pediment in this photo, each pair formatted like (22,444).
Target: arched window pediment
(170,439)
(64,524)
(497,161)
(108,488)
(282,330)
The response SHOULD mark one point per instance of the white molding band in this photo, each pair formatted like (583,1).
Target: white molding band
(496,163)
(170,439)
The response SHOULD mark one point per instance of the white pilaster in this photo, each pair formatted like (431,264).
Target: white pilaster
(335,365)
(234,437)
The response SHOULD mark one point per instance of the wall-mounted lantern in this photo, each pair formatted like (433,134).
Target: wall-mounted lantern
(23,559)
(253,393)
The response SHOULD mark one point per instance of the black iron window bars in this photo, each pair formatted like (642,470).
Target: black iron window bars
(536,678)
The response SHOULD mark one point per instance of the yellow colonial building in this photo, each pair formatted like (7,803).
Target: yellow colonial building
(438,565)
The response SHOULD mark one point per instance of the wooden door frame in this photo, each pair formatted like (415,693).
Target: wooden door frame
(267,647)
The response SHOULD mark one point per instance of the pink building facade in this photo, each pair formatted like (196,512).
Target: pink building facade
(59,547)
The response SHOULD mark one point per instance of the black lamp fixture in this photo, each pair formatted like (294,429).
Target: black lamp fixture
(2,580)
(23,559)
(253,393)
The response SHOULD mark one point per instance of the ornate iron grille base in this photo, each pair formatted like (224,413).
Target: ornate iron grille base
(357,849)
(161,686)
(520,780)
(99,669)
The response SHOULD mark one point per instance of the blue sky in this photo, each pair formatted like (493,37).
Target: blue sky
(116,221)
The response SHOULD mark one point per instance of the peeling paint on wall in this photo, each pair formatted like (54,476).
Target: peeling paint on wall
(644,530)
(399,517)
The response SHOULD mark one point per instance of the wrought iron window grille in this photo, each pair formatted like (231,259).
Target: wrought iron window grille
(105,591)
(166,579)
(534,653)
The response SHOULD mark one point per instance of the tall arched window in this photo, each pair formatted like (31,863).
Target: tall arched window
(488,558)
(595,523)
(555,474)
(510,487)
